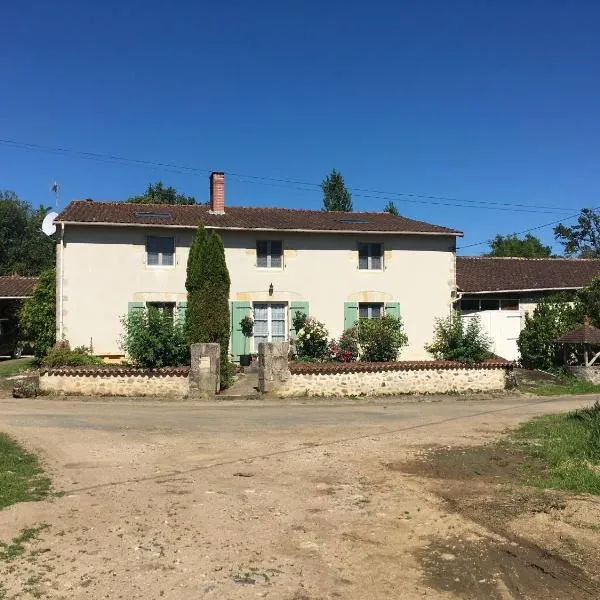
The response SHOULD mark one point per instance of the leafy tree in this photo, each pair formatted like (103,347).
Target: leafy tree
(511,245)
(390,207)
(336,197)
(550,319)
(24,249)
(452,340)
(159,194)
(37,319)
(587,302)
(380,339)
(582,239)
(151,339)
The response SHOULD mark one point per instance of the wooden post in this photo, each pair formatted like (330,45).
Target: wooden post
(585,355)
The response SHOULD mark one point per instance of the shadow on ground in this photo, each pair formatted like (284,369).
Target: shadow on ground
(482,484)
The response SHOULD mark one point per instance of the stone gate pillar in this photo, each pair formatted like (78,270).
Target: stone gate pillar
(205,368)
(273,368)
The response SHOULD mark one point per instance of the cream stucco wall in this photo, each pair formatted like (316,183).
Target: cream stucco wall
(104,269)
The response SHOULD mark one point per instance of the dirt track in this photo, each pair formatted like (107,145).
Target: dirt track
(288,502)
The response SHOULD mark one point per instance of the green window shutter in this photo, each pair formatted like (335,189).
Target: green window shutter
(297,306)
(350,314)
(239,343)
(133,306)
(181,310)
(393,308)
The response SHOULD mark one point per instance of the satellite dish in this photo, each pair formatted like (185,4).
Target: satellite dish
(48,226)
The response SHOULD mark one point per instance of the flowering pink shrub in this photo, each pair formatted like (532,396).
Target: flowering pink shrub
(345,349)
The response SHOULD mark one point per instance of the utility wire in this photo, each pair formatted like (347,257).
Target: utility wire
(288,183)
(527,230)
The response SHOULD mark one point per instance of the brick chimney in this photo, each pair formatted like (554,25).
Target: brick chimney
(217,192)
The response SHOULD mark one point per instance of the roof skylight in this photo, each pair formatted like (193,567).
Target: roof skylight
(153,215)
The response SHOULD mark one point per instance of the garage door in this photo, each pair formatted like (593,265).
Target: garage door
(503,327)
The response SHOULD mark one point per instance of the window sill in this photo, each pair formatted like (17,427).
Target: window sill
(269,268)
(165,267)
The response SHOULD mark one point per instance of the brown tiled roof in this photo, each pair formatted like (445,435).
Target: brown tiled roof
(16,286)
(587,334)
(484,274)
(238,217)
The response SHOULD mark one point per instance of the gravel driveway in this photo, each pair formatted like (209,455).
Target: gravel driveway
(283,501)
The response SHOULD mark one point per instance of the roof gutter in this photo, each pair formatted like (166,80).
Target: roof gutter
(354,231)
(550,289)
(14,297)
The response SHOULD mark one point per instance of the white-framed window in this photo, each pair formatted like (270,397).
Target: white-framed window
(270,322)
(163,307)
(269,254)
(370,256)
(160,251)
(370,310)
(469,305)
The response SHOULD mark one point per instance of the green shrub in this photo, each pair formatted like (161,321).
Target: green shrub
(37,319)
(151,339)
(452,340)
(227,372)
(63,356)
(298,320)
(311,339)
(380,339)
(551,318)
(346,348)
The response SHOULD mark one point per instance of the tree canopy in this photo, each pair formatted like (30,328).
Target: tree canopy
(582,239)
(390,207)
(24,249)
(336,196)
(157,193)
(37,319)
(512,245)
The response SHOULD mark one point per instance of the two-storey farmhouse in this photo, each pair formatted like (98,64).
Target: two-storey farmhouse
(114,256)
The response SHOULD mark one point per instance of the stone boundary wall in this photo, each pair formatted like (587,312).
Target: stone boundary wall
(591,374)
(375,379)
(128,381)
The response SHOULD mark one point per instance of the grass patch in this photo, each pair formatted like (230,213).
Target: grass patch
(22,478)
(564,450)
(566,386)
(11,367)
(16,547)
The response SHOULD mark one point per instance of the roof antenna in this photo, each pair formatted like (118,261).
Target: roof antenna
(48,226)
(54,188)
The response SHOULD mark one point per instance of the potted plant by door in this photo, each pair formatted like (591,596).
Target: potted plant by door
(247,326)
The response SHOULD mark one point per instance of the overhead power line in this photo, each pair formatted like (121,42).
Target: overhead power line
(288,183)
(527,230)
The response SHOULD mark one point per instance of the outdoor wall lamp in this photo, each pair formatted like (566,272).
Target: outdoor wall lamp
(271,290)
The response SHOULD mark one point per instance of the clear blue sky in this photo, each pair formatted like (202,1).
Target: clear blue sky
(481,101)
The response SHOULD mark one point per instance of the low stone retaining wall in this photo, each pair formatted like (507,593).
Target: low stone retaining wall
(591,374)
(98,381)
(375,379)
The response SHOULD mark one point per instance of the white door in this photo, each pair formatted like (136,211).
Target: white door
(503,327)
(269,323)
